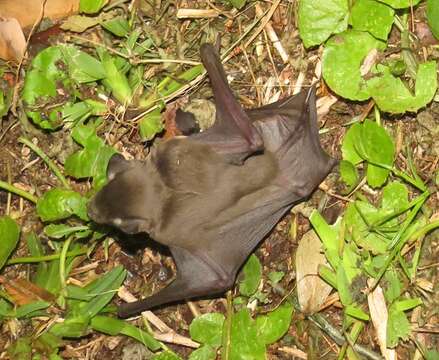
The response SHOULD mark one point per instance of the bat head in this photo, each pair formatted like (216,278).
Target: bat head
(130,200)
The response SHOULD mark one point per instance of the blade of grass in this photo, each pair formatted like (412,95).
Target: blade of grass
(37,259)
(11,188)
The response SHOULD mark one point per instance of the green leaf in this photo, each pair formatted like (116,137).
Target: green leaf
(91,6)
(58,204)
(117,26)
(104,289)
(433,16)
(274,325)
(46,84)
(400,4)
(432,355)
(73,327)
(329,236)
(115,79)
(205,352)
(150,125)
(244,340)
(21,349)
(348,173)
(275,276)
(207,329)
(28,309)
(83,68)
(113,327)
(394,286)
(166,355)
(392,95)
(252,271)
(376,147)
(342,58)
(58,231)
(91,161)
(320,19)
(350,261)
(348,146)
(343,287)
(357,217)
(356,312)
(407,304)
(238,4)
(398,327)
(372,16)
(395,197)
(9,236)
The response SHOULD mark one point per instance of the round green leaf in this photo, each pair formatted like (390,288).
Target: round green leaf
(376,147)
(348,146)
(320,19)
(58,204)
(372,16)
(342,58)
(400,4)
(205,352)
(391,95)
(348,173)
(207,329)
(91,6)
(395,196)
(244,340)
(150,125)
(433,16)
(273,326)
(9,235)
(252,276)
(40,91)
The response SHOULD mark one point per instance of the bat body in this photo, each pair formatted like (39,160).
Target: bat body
(213,196)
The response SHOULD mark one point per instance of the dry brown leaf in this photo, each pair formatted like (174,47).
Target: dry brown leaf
(12,40)
(312,291)
(28,12)
(378,314)
(24,292)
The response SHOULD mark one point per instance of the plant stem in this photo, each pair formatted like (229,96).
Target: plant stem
(62,261)
(24,194)
(52,166)
(37,259)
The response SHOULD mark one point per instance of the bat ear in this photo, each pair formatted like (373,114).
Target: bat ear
(116,165)
(186,122)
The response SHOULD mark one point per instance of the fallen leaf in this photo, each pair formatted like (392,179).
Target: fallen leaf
(25,292)
(28,12)
(12,40)
(312,291)
(379,315)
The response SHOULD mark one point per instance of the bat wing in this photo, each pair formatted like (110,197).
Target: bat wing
(232,134)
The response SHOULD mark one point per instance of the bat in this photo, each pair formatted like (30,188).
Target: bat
(211,197)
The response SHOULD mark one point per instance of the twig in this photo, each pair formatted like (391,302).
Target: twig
(335,335)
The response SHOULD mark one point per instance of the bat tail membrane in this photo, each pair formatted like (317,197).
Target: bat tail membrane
(233,133)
